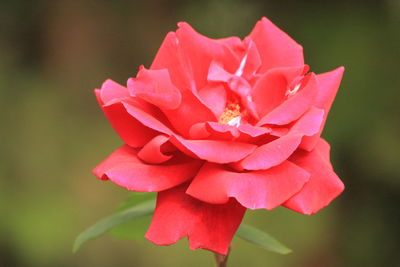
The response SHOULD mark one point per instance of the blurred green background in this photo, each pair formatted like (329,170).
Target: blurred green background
(52,55)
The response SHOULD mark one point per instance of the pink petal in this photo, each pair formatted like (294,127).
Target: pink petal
(170,57)
(222,131)
(276,48)
(155,87)
(270,90)
(251,60)
(253,131)
(207,226)
(265,189)
(130,130)
(200,51)
(111,91)
(278,150)
(190,112)
(324,185)
(310,123)
(214,151)
(125,169)
(148,116)
(294,106)
(151,152)
(272,153)
(328,84)
(214,97)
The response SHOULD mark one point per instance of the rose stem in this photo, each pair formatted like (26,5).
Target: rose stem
(221,260)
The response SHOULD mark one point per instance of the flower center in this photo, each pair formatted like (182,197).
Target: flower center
(231,115)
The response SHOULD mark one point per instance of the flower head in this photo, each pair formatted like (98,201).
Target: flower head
(221,126)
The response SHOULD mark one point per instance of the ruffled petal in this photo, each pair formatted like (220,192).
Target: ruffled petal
(214,150)
(130,130)
(170,57)
(272,153)
(294,106)
(148,116)
(207,226)
(190,112)
(218,131)
(214,97)
(324,185)
(270,90)
(277,151)
(200,51)
(328,85)
(125,169)
(276,48)
(265,189)
(152,152)
(112,91)
(155,87)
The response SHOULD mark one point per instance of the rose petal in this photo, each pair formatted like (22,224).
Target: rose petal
(170,56)
(251,61)
(125,169)
(276,48)
(324,185)
(111,91)
(148,117)
(265,189)
(207,226)
(200,51)
(151,152)
(130,130)
(155,87)
(190,112)
(310,123)
(278,150)
(294,106)
(214,97)
(270,90)
(272,153)
(214,150)
(328,85)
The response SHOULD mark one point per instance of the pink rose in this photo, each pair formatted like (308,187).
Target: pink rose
(219,126)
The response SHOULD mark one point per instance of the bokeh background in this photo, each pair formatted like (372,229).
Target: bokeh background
(52,55)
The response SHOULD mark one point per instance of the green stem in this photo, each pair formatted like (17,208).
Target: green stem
(221,260)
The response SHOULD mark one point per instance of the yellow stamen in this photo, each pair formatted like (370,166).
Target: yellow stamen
(232,110)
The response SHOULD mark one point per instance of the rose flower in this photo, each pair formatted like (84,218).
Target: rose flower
(220,126)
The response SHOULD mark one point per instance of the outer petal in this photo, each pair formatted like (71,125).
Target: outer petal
(214,150)
(152,152)
(324,185)
(328,84)
(131,131)
(276,48)
(125,169)
(294,106)
(170,56)
(155,87)
(148,116)
(200,51)
(265,189)
(207,226)
(111,91)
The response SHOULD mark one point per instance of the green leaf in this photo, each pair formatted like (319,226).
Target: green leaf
(134,199)
(121,217)
(135,229)
(262,239)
